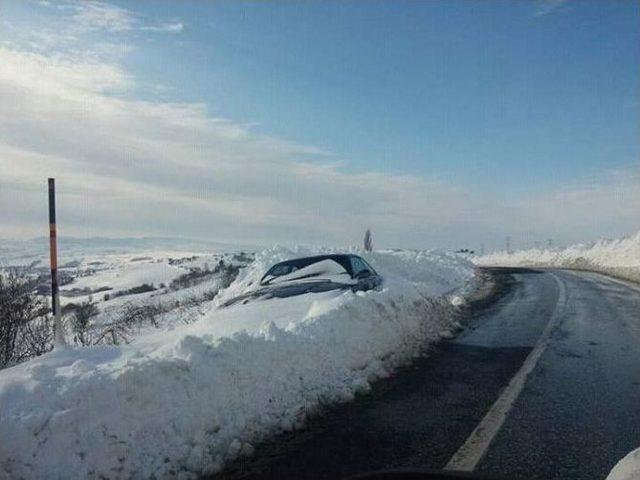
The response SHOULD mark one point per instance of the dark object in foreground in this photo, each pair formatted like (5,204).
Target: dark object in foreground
(320,273)
(419,475)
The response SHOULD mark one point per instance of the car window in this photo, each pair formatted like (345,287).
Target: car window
(369,267)
(358,265)
(279,270)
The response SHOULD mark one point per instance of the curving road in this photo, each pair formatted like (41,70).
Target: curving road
(543,384)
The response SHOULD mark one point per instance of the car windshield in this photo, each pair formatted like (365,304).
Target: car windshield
(306,267)
(359,266)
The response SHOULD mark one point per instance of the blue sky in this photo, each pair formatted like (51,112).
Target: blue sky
(504,105)
(456,89)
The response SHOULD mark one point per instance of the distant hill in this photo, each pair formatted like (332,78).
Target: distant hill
(26,251)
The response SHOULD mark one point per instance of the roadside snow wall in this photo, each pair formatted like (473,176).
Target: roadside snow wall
(180,403)
(619,258)
(628,468)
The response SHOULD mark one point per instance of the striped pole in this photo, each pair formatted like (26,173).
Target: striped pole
(53,252)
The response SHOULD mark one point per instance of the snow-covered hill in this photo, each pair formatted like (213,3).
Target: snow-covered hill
(620,257)
(181,402)
(19,252)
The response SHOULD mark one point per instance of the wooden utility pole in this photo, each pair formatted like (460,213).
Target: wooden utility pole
(53,252)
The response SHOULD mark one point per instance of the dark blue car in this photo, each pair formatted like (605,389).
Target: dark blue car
(320,273)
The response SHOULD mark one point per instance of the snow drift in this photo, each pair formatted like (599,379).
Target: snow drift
(619,257)
(180,403)
(628,468)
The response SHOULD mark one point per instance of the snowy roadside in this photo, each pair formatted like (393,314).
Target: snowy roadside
(618,258)
(628,468)
(180,403)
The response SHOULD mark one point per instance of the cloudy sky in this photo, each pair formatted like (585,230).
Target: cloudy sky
(437,124)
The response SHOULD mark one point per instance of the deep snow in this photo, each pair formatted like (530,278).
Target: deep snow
(122,271)
(181,402)
(619,257)
(628,468)
(120,275)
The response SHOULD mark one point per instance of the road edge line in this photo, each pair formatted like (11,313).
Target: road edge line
(477,443)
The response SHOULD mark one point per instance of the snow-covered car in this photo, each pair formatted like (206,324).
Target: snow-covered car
(319,273)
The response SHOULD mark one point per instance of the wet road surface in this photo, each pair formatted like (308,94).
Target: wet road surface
(572,338)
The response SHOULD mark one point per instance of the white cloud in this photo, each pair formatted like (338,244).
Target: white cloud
(131,167)
(606,204)
(121,159)
(545,7)
(169,27)
(95,15)
(63,76)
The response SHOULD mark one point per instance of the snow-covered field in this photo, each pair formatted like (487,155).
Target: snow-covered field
(174,285)
(176,299)
(619,257)
(181,401)
(21,252)
(121,273)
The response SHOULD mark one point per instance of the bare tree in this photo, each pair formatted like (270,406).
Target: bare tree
(25,328)
(368,241)
(120,326)
(81,315)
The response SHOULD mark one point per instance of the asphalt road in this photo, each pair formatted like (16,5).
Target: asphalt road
(543,384)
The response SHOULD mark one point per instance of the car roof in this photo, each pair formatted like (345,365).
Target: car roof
(341,258)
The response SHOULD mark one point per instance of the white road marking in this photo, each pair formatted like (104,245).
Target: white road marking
(474,448)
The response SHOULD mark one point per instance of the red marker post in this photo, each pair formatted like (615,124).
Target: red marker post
(53,252)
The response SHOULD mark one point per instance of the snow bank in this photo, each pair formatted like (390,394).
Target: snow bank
(182,402)
(615,257)
(628,468)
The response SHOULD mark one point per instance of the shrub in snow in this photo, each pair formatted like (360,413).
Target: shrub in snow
(80,319)
(182,402)
(197,275)
(145,287)
(25,328)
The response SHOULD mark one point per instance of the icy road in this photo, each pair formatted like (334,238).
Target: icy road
(542,384)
